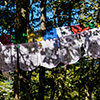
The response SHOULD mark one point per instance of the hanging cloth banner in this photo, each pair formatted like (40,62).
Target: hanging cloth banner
(22,39)
(70,48)
(28,56)
(49,53)
(78,28)
(49,34)
(92,43)
(63,31)
(35,36)
(98,24)
(5,39)
(91,25)
(8,58)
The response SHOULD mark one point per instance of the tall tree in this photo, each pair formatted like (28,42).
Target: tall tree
(42,69)
(21,26)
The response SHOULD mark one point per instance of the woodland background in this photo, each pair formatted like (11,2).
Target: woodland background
(80,81)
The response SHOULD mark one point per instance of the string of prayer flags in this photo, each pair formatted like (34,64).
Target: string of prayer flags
(50,52)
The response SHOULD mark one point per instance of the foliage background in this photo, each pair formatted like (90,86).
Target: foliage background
(80,81)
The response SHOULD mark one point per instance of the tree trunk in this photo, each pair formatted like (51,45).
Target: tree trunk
(43,15)
(16,79)
(52,86)
(98,15)
(70,10)
(42,69)
(21,26)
